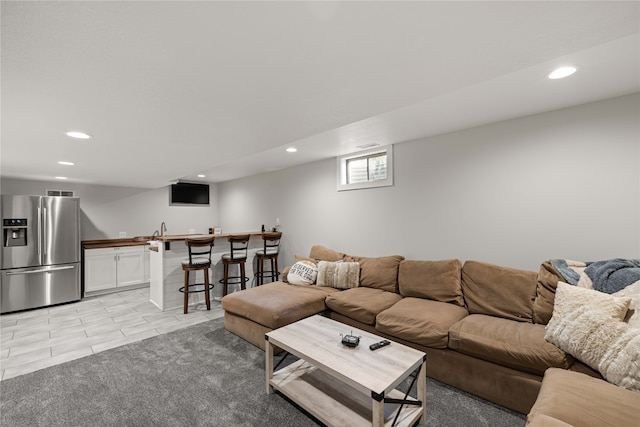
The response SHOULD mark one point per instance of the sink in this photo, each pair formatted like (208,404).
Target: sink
(142,238)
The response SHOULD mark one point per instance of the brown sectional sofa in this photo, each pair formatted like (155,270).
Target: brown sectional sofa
(482,326)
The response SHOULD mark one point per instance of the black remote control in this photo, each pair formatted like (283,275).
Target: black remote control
(378,345)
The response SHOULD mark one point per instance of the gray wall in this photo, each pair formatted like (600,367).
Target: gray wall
(108,210)
(563,184)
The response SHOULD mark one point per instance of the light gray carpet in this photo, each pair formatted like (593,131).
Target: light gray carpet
(198,376)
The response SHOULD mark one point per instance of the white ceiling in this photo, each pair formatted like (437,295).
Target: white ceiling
(172,89)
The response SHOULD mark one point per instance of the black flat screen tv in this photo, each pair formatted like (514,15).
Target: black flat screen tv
(187,193)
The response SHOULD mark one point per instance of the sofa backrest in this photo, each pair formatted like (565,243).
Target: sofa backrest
(379,273)
(434,280)
(322,253)
(548,278)
(499,291)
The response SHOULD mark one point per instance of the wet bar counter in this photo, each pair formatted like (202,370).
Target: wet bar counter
(167,276)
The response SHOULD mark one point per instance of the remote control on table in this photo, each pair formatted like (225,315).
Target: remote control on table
(378,345)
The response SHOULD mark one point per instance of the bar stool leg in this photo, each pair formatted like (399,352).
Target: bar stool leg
(186,291)
(225,278)
(275,270)
(206,288)
(242,276)
(259,271)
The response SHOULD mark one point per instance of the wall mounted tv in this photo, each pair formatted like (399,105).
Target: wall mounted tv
(188,193)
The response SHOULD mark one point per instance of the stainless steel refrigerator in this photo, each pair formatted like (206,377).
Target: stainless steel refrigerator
(40,251)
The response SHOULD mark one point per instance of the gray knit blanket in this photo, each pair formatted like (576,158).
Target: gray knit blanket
(608,276)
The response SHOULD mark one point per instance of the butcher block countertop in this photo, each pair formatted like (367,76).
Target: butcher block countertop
(114,243)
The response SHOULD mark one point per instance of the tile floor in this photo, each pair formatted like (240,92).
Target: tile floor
(37,339)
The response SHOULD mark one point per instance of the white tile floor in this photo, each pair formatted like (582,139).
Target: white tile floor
(38,339)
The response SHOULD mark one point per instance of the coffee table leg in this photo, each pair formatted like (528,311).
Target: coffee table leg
(268,364)
(422,390)
(378,413)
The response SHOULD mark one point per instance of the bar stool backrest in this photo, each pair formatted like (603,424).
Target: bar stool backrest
(199,251)
(271,243)
(239,245)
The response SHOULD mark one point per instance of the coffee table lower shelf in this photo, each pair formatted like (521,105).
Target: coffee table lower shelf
(335,403)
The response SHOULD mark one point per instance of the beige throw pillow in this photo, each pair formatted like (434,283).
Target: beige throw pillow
(608,345)
(341,275)
(569,297)
(588,325)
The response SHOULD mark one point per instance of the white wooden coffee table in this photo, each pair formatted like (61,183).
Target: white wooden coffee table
(344,386)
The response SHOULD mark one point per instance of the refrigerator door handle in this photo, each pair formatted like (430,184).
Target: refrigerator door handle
(39,235)
(42,270)
(44,231)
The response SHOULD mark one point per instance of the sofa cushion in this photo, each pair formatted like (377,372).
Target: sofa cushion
(277,304)
(580,400)
(362,304)
(380,273)
(498,291)
(543,420)
(518,345)
(546,282)
(436,280)
(340,274)
(322,253)
(420,321)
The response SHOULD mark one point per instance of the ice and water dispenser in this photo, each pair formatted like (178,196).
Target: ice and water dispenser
(14,232)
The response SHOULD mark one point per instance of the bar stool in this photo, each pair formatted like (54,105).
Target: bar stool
(238,255)
(270,252)
(199,259)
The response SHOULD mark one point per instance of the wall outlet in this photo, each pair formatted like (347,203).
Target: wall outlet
(123,234)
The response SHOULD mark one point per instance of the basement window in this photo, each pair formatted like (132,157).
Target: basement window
(366,169)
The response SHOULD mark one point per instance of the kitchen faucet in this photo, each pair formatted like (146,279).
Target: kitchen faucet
(163,228)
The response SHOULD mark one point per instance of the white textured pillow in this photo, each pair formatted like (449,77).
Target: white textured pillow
(632,291)
(569,297)
(605,344)
(341,275)
(302,273)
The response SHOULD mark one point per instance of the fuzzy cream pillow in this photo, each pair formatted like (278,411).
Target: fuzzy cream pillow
(341,275)
(610,346)
(568,297)
(632,291)
(588,325)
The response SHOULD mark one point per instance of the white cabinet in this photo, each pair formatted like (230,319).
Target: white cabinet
(115,267)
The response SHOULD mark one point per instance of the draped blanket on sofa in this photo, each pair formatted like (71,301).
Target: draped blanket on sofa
(608,276)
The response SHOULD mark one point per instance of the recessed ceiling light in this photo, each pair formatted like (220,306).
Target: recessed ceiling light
(61,177)
(201,176)
(66,163)
(78,135)
(292,150)
(562,72)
